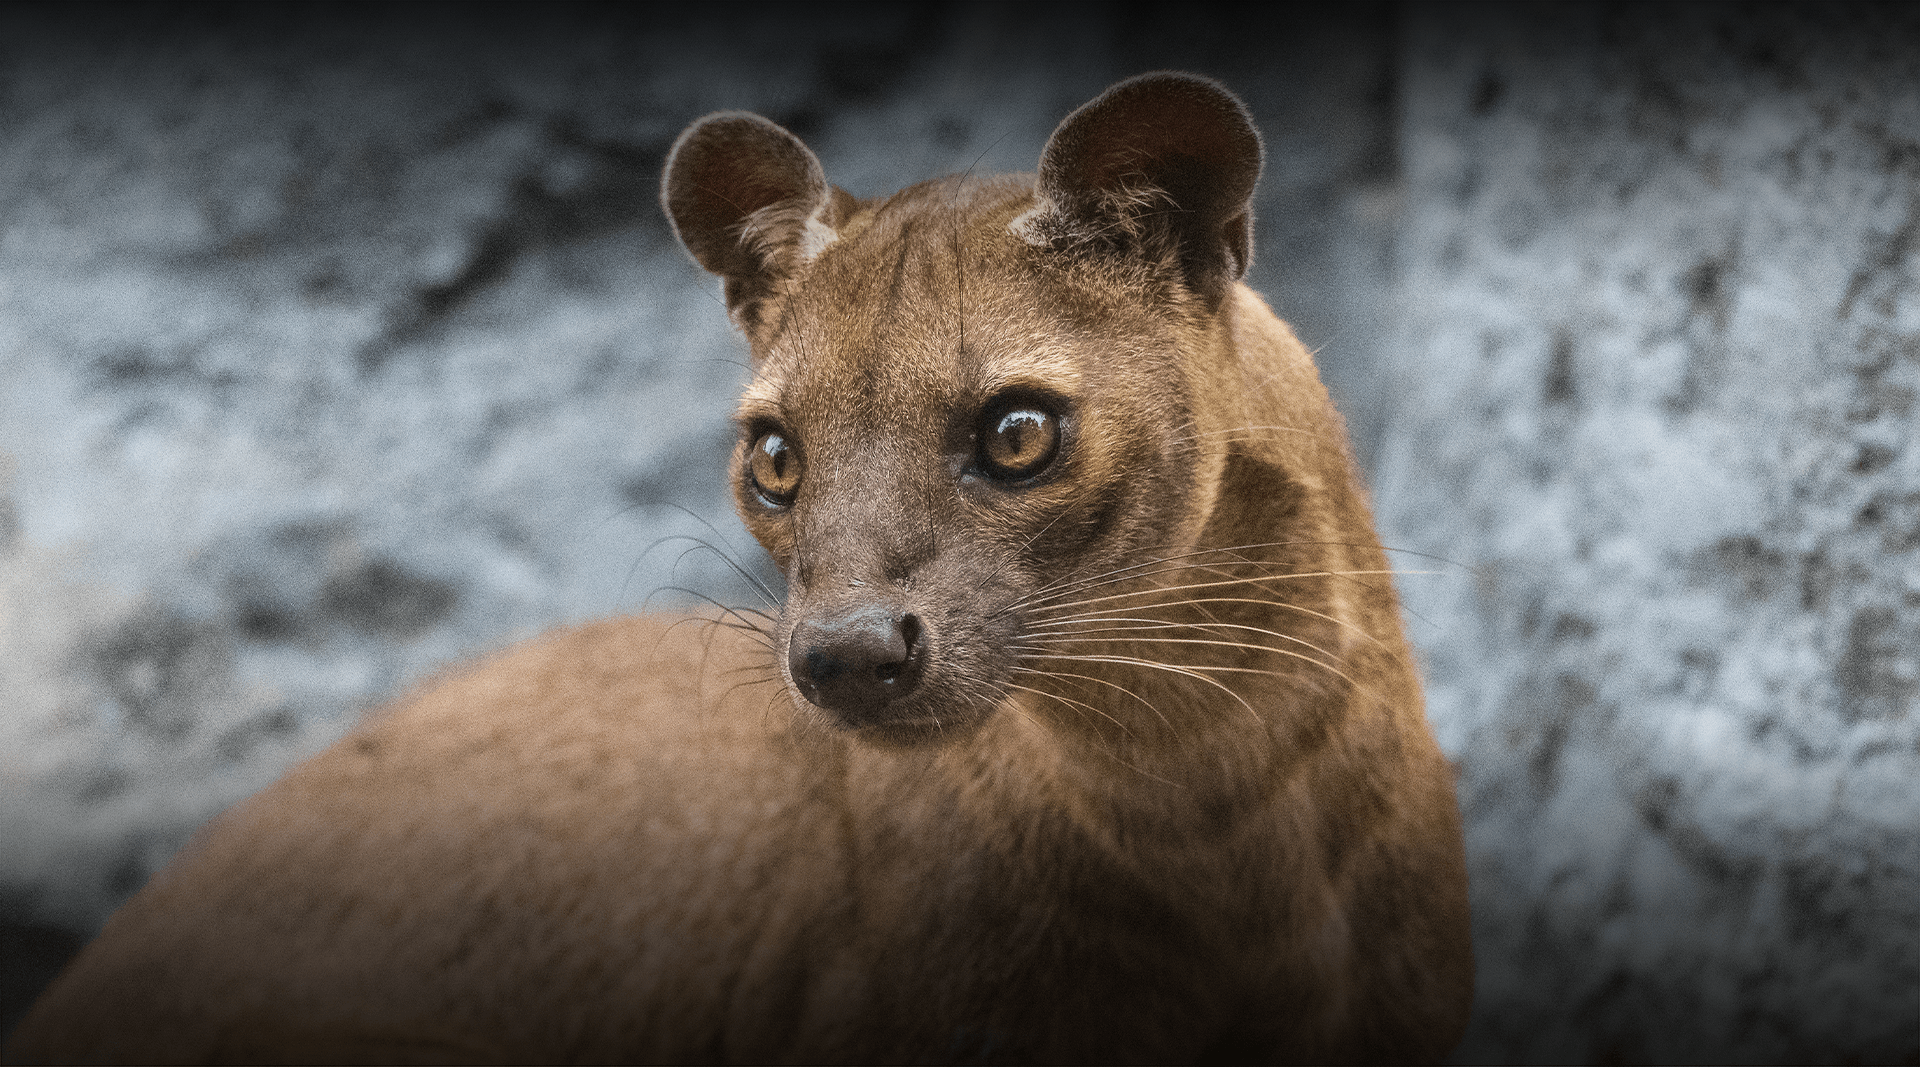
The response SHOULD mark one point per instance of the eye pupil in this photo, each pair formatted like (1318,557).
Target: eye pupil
(774,467)
(1019,442)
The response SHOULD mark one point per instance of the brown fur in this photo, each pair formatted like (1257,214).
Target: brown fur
(1160,787)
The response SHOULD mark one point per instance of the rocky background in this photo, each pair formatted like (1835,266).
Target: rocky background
(1657,302)
(339,346)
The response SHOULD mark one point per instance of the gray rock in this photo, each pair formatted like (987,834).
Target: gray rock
(1654,407)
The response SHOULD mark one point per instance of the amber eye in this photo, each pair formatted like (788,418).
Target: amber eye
(1018,441)
(774,466)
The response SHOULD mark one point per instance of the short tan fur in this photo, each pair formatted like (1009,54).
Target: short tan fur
(1086,732)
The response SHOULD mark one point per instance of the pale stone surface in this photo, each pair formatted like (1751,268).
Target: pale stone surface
(1655,403)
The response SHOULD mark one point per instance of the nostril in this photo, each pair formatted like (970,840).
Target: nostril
(821,667)
(908,632)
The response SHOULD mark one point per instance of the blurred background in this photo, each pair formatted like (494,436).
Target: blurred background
(341,344)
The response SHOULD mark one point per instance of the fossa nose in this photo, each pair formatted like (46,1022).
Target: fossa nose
(857,663)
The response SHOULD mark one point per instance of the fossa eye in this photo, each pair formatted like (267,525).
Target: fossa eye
(1017,440)
(774,467)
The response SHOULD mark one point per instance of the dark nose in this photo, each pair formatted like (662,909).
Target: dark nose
(857,663)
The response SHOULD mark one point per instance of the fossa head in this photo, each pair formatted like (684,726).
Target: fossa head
(973,392)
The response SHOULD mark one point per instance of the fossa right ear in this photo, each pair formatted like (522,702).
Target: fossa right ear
(1165,161)
(749,201)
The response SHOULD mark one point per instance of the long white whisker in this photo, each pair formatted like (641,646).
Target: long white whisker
(1057,624)
(1185,671)
(1144,702)
(1110,754)
(1287,652)
(1215,585)
(1069,700)
(1146,569)
(1062,632)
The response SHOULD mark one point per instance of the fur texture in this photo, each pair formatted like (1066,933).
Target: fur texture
(1113,755)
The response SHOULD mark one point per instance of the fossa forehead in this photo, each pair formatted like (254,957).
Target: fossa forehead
(892,373)
(924,301)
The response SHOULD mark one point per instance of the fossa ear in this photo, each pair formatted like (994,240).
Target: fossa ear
(1163,156)
(750,203)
